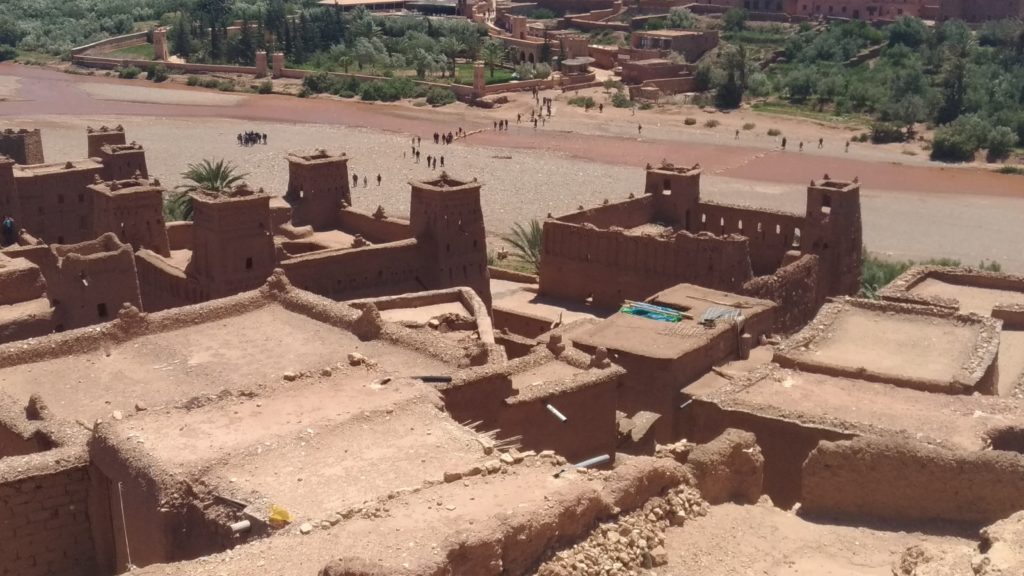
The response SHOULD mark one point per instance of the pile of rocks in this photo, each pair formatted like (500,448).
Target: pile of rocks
(632,544)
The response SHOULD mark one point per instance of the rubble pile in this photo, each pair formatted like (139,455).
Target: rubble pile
(633,543)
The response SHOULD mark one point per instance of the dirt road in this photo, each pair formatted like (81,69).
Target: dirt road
(912,208)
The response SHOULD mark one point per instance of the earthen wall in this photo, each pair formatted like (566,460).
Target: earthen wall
(55,204)
(370,271)
(770,234)
(794,288)
(785,444)
(99,137)
(903,480)
(44,522)
(376,230)
(627,214)
(91,288)
(22,146)
(579,262)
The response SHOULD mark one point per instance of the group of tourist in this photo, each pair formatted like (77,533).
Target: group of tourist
(366,181)
(251,138)
(443,138)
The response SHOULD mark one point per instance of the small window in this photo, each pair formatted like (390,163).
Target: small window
(101,310)
(248,263)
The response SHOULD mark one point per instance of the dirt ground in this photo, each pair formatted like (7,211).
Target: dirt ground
(912,209)
(971,298)
(737,540)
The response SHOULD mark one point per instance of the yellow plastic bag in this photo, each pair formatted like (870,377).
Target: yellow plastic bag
(279,517)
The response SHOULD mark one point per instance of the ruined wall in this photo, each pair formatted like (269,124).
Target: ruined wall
(589,406)
(580,262)
(162,286)
(23,146)
(785,444)
(375,230)
(123,161)
(770,234)
(889,479)
(91,287)
(626,214)
(795,289)
(44,522)
(378,270)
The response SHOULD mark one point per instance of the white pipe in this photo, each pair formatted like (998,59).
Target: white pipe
(243,526)
(561,417)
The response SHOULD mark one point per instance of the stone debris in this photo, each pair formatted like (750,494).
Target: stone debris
(356,359)
(306,528)
(290,376)
(632,543)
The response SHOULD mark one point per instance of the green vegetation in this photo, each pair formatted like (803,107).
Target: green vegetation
(7,53)
(582,101)
(712,123)
(690,121)
(55,26)
(526,243)
(968,83)
(265,87)
(774,132)
(1015,170)
(128,72)
(621,100)
(140,52)
(157,73)
(749,126)
(877,272)
(219,177)
(541,14)
(440,97)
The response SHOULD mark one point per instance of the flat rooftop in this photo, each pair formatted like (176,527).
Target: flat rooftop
(733,539)
(669,33)
(974,299)
(897,344)
(666,340)
(516,297)
(323,445)
(860,407)
(243,351)
(51,167)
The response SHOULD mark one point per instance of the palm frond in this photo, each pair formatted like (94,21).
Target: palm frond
(527,242)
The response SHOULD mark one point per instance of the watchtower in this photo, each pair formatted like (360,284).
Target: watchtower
(133,211)
(676,192)
(318,187)
(23,146)
(446,219)
(833,232)
(9,204)
(98,137)
(123,161)
(233,245)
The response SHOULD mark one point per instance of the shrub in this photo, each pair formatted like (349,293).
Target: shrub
(127,72)
(613,85)
(320,82)
(582,101)
(1000,142)
(774,132)
(265,87)
(1016,170)
(440,97)
(712,123)
(210,83)
(887,132)
(226,86)
(156,73)
(7,52)
(542,14)
(749,126)
(388,90)
(690,121)
(347,94)
(193,81)
(621,100)
(646,105)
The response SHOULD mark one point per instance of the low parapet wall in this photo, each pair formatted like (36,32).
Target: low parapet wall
(112,43)
(902,480)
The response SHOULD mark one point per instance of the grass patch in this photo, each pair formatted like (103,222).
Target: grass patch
(140,52)
(785,109)
(876,272)
(712,123)
(1016,170)
(464,75)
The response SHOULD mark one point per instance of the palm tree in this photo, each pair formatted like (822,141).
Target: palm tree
(451,48)
(219,177)
(527,242)
(493,54)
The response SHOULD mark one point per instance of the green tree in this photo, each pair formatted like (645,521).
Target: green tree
(181,36)
(954,91)
(681,19)
(735,20)
(527,242)
(219,177)
(451,48)
(908,31)
(493,54)
(214,13)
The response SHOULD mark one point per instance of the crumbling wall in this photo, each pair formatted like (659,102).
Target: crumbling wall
(44,522)
(794,288)
(96,138)
(770,234)
(588,401)
(162,286)
(92,286)
(904,480)
(375,230)
(580,262)
(379,270)
(627,214)
(785,444)
(23,146)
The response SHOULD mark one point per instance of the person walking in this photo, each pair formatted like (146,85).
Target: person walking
(378,179)
(355,180)
(783,142)
(442,161)
(821,143)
